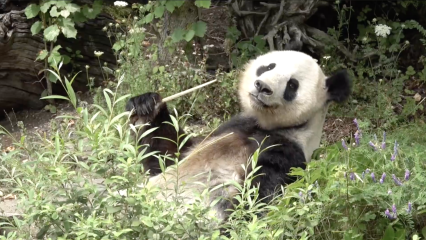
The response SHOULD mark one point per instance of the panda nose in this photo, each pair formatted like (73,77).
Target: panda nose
(262,87)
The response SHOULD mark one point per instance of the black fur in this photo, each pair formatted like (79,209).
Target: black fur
(339,86)
(144,106)
(275,161)
(262,69)
(290,92)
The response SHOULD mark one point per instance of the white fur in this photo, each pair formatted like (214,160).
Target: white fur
(309,104)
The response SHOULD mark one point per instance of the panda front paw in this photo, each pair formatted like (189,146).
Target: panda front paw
(145,105)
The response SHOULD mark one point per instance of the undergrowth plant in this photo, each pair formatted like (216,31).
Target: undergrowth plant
(380,93)
(58,17)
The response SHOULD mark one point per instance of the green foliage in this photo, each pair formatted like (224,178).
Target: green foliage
(380,93)
(156,10)
(58,17)
(69,181)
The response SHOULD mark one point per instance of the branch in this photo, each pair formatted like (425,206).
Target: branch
(322,35)
(279,14)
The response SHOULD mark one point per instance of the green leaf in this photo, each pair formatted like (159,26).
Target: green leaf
(32,10)
(79,17)
(66,59)
(203,3)
(67,27)
(118,45)
(170,6)
(149,17)
(55,97)
(54,57)
(36,27)
(389,233)
(159,11)
(189,35)
(51,77)
(199,28)
(65,13)
(89,12)
(178,35)
(424,232)
(54,12)
(51,33)
(42,55)
(72,7)
(45,7)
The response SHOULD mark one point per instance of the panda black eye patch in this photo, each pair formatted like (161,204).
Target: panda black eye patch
(291,89)
(262,69)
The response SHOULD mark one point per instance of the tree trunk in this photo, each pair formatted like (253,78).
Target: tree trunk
(180,18)
(283,24)
(20,84)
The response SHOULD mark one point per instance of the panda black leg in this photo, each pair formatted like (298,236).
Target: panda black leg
(275,165)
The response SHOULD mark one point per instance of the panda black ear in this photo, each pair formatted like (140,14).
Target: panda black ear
(339,86)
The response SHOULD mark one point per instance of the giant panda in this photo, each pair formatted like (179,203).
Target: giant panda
(284,97)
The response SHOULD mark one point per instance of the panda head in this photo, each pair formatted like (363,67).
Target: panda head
(288,88)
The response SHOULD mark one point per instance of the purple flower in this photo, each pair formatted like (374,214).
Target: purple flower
(344,145)
(394,209)
(372,145)
(373,177)
(382,179)
(387,213)
(300,194)
(396,180)
(367,170)
(395,151)
(407,175)
(356,135)
(384,141)
(409,207)
(356,123)
(352,176)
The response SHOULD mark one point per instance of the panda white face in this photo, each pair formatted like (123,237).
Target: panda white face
(282,89)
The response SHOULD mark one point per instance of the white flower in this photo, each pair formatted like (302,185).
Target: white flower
(364,39)
(407,42)
(98,53)
(110,24)
(382,30)
(87,66)
(326,57)
(374,20)
(104,29)
(136,18)
(120,3)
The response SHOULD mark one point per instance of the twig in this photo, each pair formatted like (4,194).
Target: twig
(187,91)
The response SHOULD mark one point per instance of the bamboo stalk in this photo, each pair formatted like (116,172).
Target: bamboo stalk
(187,91)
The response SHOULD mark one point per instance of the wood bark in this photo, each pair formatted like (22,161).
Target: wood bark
(180,18)
(20,84)
(283,24)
